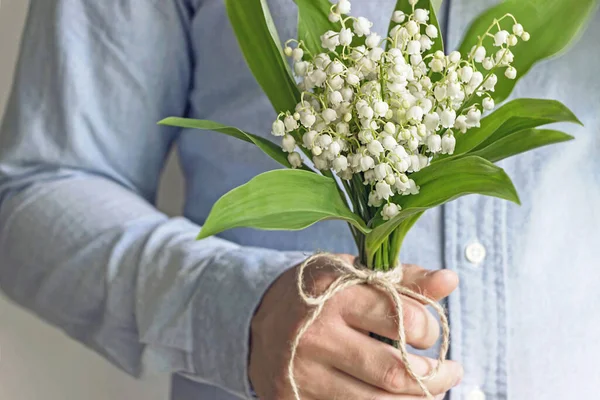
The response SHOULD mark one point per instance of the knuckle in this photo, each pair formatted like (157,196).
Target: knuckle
(392,378)
(413,318)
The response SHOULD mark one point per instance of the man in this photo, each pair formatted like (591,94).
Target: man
(83,247)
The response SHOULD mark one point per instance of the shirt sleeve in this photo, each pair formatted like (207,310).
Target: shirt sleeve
(81,244)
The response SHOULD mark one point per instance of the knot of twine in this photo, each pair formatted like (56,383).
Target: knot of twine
(388,282)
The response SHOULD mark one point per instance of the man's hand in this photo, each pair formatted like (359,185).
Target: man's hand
(336,358)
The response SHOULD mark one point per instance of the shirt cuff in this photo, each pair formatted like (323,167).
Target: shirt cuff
(230,290)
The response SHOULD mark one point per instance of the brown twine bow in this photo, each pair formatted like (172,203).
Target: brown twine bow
(388,282)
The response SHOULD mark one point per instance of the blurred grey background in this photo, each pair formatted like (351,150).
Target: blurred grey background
(38,362)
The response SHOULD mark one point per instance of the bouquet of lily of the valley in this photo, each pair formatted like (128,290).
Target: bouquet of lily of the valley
(376,129)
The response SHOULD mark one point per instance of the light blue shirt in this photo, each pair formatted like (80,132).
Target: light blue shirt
(83,247)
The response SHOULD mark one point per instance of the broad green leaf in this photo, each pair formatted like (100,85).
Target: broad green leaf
(514,116)
(283,199)
(261,47)
(520,142)
(440,183)
(313,21)
(437,4)
(431,5)
(268,147)
(553,25)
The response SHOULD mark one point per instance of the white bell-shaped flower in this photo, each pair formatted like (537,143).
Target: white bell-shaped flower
(473,117)
(343,7)
(511,73)
(340,163)
(346,36)
(412,28)
(375,148)
(373,40)
(295,159)
(290,123)
(278,128)
(390,210)
(447,118)
(415,113)
(488,103)
(330,40)
(478,53)
(374,199)
(500,38)
(367,162)
(398,17)
(329,115)
(381,108)
(431,31)
(421,16)
(308,139)
(383,190)
(461,124)
(362,26)
(288,143)
(434,143)
(448,143)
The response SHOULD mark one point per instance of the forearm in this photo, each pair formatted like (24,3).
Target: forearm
(99,262)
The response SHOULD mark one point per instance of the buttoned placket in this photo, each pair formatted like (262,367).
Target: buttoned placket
(476,248)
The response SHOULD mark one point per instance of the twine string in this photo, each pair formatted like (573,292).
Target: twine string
(389,282)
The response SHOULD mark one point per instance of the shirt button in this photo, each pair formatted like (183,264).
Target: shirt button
(476,395)
(475,253)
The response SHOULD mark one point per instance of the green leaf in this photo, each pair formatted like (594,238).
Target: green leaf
(432,6)
(283,199)
(440,183)
(313,21)
(514,116)
(553,25)
(268,147)
(260,45)
(520,142)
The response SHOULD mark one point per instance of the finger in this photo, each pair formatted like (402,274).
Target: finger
(380,365)
(340,385)
(372,310)
(433,284)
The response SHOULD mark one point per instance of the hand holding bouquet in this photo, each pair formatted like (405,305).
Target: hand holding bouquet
(378,129)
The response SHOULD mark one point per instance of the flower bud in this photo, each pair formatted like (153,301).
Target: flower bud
(390,128)
(510,73)
(412,28)
(398,17)
(431,31)
(478,53)
(381,108)
(488,103)
(288,51)
(518,29)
